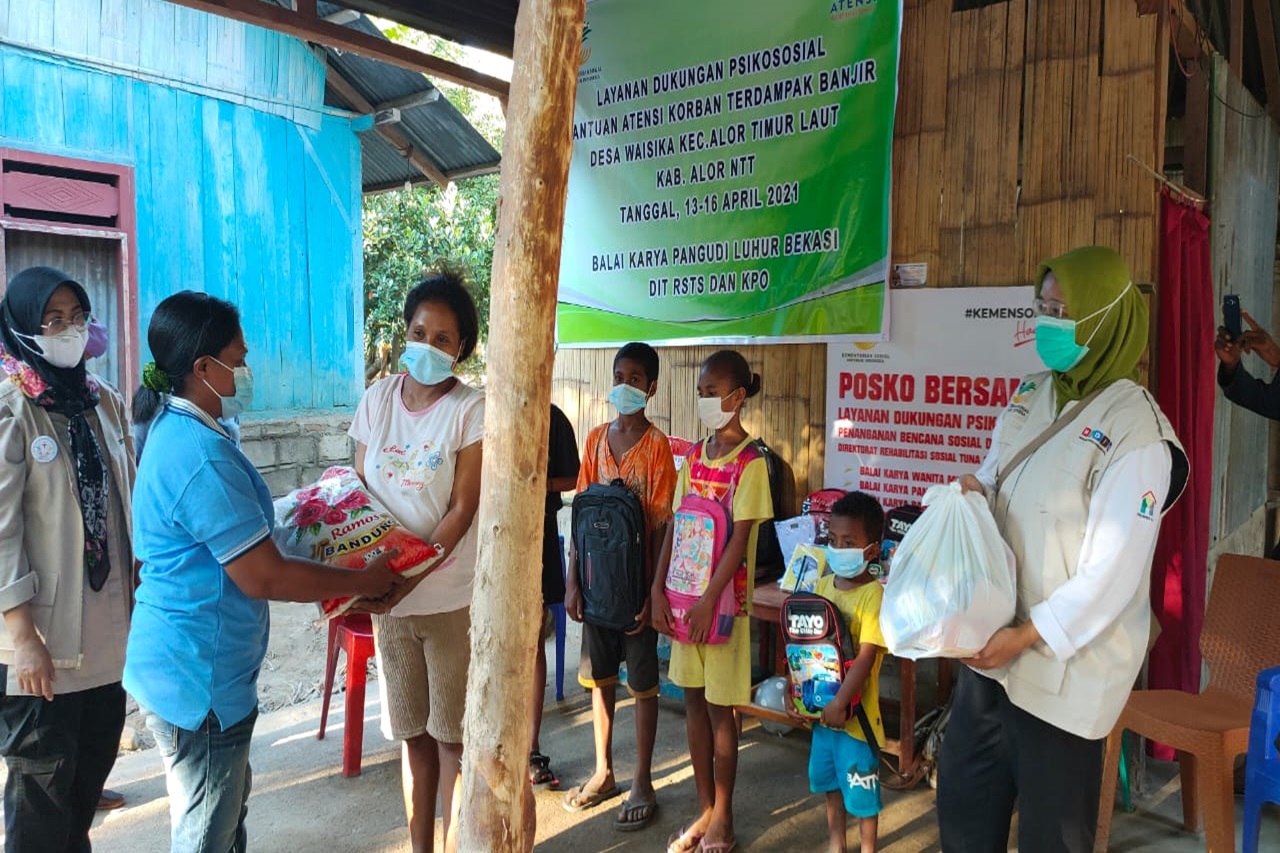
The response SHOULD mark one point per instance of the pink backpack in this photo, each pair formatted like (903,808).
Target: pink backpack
(702,529)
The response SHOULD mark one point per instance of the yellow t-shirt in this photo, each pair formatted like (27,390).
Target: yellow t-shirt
(752,501)
(861,606)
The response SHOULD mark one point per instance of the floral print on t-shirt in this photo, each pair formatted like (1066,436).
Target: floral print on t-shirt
(408,468)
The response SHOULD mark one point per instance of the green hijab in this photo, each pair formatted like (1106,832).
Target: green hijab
(1091,278)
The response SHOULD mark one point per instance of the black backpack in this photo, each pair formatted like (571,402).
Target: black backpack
(820,651)
(897,522)
(608,535)
(770,561)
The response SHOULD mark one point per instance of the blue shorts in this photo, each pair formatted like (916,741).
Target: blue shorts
(838,761)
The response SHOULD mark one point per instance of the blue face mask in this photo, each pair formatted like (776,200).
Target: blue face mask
(846,562)
(1056,337)
(627,399)
(427,364)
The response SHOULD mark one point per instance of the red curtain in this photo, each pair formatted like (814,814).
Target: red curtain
(1186,392)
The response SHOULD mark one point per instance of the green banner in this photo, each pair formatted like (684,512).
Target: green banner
(730,172)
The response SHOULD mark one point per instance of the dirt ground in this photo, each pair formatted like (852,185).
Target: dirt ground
(301,801)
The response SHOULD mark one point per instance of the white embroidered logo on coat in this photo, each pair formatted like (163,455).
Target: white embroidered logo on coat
(44,449)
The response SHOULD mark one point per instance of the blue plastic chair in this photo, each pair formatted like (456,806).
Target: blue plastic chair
(1262,766)
(557,613)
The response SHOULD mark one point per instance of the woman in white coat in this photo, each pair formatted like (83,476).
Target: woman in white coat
(1082,466)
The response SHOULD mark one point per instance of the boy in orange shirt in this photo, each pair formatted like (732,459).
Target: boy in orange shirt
(632,449)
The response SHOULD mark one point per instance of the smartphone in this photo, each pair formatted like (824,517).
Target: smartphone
(1231,316)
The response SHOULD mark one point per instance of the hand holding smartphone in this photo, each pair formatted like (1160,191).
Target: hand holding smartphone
(1231,316)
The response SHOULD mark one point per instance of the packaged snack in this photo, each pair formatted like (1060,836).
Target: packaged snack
(339,523)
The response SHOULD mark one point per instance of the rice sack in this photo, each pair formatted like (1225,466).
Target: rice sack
(337,522)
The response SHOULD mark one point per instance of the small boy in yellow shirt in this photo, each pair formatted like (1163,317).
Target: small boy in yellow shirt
(841,763)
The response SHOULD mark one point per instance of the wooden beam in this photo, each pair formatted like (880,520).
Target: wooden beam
(394,135)
(473,171)
(313,29)
(497,811)
(1195,132)
(408,102)
(1266,26)
(1235,36)
(1187,35)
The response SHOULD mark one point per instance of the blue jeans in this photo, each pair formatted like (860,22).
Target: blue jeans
(208,776)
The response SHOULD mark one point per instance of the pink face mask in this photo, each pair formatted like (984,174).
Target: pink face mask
(97,343)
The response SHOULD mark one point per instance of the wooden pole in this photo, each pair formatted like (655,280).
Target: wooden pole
(506,615)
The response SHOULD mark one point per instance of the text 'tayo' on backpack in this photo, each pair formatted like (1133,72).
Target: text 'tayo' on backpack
(608,536)
(819,652)
(897,522)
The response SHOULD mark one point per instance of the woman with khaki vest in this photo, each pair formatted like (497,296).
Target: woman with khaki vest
(1082,466)
(66,565)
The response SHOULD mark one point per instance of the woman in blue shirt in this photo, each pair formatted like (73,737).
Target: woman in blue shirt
(202,530)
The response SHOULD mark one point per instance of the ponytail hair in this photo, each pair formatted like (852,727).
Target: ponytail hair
(185,326)
(732,364)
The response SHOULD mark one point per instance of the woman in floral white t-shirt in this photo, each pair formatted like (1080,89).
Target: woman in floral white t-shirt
(418,450)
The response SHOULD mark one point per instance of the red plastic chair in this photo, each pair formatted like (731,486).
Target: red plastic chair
(354,635)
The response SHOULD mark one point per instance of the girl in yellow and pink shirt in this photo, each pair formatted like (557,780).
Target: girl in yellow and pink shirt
(727,468)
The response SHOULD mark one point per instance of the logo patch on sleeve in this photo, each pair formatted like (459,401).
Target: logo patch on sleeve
(1096,437)
(1147,507)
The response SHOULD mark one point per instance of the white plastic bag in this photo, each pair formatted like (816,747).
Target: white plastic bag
(953,580)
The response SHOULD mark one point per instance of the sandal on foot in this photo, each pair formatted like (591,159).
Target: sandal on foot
(717,846)
(633,817)
(684,840)
(541,776)
(579,800)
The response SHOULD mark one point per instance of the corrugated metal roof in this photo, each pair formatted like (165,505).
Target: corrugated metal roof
(435,129)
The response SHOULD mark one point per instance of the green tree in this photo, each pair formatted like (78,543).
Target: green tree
(409,232)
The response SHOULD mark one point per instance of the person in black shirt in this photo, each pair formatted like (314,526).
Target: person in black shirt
(562,476)
(1241,387)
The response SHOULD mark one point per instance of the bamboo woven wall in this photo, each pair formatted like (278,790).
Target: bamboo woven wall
(1014,127)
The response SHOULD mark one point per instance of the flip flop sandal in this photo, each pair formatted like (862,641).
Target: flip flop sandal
(683,841)
(578,800)
(717,846)
(641,814)
(541,776)
(110,800)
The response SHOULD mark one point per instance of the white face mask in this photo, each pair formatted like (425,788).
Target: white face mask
(64,350)
(712,414)
(235,405)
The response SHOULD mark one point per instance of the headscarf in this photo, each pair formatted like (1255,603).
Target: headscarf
(1091,278)
(68,391)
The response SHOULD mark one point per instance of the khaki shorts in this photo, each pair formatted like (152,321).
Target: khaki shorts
(422,674)
(722,670)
